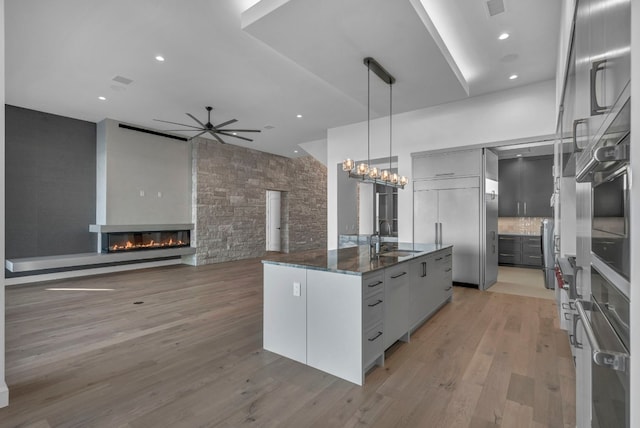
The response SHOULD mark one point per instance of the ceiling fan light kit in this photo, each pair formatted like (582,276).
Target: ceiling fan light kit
(364,171)
(209,128)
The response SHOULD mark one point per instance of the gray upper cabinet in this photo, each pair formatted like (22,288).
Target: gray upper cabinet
(509,188)
(525,186)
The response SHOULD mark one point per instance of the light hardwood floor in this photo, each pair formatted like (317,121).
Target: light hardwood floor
(191,355)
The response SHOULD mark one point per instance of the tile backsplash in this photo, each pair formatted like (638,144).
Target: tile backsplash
(519,225)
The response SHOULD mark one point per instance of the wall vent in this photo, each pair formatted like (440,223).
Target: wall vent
(495,7)
(148,131)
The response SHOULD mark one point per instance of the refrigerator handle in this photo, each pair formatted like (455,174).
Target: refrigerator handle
(440,234)
(518,205)
(525,209)
(436,224)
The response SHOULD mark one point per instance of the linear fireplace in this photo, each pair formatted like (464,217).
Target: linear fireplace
(141,237)
(131,241)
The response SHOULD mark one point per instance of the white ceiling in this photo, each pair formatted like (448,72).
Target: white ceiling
(293,57)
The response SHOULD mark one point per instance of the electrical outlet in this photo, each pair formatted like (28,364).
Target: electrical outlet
(296,289)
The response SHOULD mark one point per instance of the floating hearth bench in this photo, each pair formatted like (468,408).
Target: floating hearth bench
(29,264)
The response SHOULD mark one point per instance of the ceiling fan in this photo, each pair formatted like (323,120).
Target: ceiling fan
(214,130)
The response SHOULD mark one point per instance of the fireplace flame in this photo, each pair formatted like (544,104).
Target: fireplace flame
(151,244)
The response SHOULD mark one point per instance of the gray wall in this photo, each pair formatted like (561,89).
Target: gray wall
(50,184)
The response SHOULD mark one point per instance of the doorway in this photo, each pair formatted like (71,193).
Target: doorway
(273,220)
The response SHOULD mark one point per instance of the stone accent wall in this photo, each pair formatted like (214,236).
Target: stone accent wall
(229,201)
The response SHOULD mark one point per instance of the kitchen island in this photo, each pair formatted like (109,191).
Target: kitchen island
(339,310)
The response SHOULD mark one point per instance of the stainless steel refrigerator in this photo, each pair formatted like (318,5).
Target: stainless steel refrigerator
(448,211)
(548,256)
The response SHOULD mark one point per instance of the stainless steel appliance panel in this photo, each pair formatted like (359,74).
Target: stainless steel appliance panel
(548,257)
(610,222)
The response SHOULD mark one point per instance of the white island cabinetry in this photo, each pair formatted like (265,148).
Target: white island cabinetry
(341,321)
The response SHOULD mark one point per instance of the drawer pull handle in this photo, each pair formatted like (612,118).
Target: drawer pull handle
(375,284)
(448,255)
(398,275)
(438,259)
(506,255)
(375,304)
(448,288)
(448,270)
(443,174)
(375,337)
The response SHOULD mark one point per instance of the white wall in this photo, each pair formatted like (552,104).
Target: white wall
(520,113)
(141,178)
(566,17)
(4,392)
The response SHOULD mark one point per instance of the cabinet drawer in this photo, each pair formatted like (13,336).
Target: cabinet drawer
(372,310)
(532,260)
(396,275)
(372,344)
(509,258)
(372,284)
(443,260)
(509,244)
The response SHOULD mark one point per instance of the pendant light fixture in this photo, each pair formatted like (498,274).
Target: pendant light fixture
(364,171)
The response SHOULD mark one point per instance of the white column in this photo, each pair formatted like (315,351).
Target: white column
(4,392)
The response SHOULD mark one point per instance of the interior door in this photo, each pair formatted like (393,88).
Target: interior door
(273,220)
(459,213)
(425,216)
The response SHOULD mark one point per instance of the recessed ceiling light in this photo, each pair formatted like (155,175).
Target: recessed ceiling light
(234,133)
(102,98)
(298,116)
(513,77)
(519,155)
(503,36)
(160,58)
(295,151)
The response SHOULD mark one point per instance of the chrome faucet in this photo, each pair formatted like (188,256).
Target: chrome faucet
(389,229)
(374,245)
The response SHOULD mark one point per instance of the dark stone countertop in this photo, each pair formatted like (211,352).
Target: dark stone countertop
(519,234)
(353,260)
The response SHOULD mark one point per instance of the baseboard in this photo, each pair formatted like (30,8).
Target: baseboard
(4,395)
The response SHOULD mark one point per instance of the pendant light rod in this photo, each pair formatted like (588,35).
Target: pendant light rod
(383,74)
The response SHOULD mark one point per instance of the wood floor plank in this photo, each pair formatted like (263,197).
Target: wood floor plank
(191,355)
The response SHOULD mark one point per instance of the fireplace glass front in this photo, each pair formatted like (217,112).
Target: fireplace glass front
(132,241)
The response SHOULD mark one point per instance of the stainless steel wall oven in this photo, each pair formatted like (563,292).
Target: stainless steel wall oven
(610,222)
(607,331)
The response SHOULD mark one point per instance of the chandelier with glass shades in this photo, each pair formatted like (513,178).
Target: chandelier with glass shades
(364,171)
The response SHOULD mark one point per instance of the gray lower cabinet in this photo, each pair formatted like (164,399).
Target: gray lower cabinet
(396,289)
(519,250)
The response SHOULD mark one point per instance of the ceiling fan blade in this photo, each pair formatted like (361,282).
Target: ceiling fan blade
(228,122)
(176,123)
(216,137)
(194,118)
(183,130)
(241,130)
(235,136)
(197,135)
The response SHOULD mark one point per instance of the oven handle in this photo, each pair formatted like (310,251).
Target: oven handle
(610,359)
